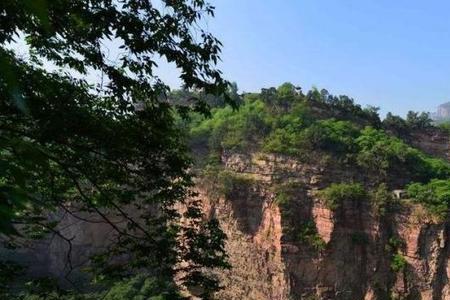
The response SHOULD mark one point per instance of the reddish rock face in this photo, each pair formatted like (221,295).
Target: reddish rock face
(323,219)
(348,255)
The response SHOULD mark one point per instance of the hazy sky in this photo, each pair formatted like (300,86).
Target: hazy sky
(392,54)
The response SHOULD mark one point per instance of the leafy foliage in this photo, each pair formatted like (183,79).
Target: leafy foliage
(286,192)
(445,126)
(139,287)
(81,133)
(396,124)
(230,182)
(186,97)
(435,195)
(404,127)
(307,233)
(333,136)
(381,199)
(415,120)
(233,130)
(394,247)
(337,193)
(320,127)
(398,263)
(383,154)
(278,121)
(286,135)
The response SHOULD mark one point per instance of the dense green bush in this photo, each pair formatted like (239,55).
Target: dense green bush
(403,127)
(234,129)
(336,193)
(279,119)
(383,154)
(286,192)
(416,120)
(394,248)
(396,125)
(344,107)
(395,244)
(445,126)
(435,195)
(398,263)
(286,131)
(381,199)
(229,182)
(332,135)
(299,136)
(307,233)
(140,287)
(380,153)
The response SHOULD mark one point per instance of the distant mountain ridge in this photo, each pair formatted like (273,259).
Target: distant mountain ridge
(443,112)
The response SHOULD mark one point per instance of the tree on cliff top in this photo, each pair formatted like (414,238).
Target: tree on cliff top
(72,140)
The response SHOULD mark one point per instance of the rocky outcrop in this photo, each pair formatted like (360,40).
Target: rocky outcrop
(304,250)
(443,112)
(296,247)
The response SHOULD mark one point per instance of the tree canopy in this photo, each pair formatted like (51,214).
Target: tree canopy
(81,132)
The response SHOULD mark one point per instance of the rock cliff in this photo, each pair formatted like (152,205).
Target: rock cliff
(285,243)
(300,249)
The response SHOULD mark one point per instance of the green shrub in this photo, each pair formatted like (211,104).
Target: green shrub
(445,126)
(336,193)
(282,141)
(435,196)
(286,136)
(229,182)
(234,130)
(332,135)
(416,120)
(381,199)
(219,182)
(432,168)
(307,233)
(396,124)
(383,154)
(294,135)
(284,193)
(394,244)
(398,263)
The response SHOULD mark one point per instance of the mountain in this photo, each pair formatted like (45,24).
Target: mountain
(443,112)
(321,200)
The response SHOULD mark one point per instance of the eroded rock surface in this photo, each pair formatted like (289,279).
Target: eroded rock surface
(353,259)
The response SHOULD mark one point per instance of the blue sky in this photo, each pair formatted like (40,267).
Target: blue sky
(391,54)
